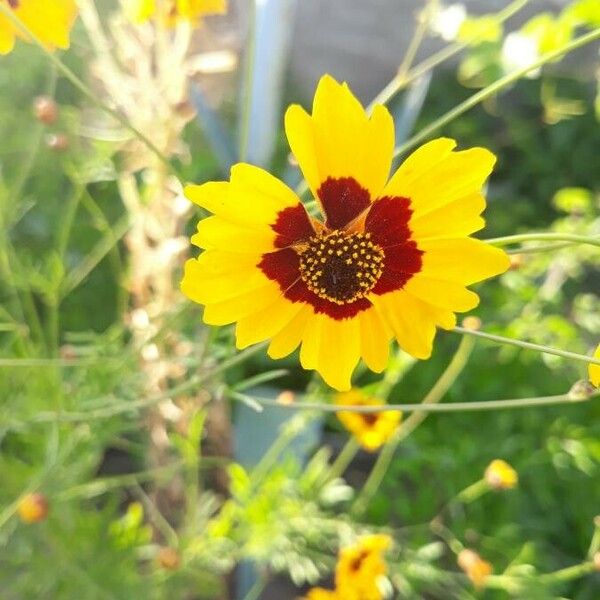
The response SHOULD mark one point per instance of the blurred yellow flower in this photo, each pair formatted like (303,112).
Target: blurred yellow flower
(170,12)
(358,571)
(51,22)
(372,430)
(33,508)
(360,567)
(594,370)
(499,475)
(476,569)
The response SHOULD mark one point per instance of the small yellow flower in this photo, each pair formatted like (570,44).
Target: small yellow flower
(33,508)
(360,567)
(169,12)
(499,475)
(476,569)
(372,430)
(389,257)
(51,22)
(594,370)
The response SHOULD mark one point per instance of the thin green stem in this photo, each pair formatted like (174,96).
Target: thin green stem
(568,574)
(544,237)
(472,492)
(343,460)
(540,248)
(247,90)
(399,82)
(257,589)
(528,345)
(82,87)
(435,394)
(493,88)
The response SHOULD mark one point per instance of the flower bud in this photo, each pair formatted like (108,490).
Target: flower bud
(476,569)
(516,261)
(596,561)
(286,397)
(499,475)
(45,110)
(33,508)
(58,142)
(168,558)
(472,323)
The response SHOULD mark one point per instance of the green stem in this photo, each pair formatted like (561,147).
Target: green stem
(399,82)
(540,248)
(535,237)
(257,589)
(343,460)
(472,492)
(82,87)
(567,574)
(493,88)
(248,76)
(529,346)
(435,394)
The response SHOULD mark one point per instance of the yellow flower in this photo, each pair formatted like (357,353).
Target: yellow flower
(388,259)
(372,430)
(500,475)
(594,370)
(476,569)
(33,508)
(360,567)
(51,22)
(171,11)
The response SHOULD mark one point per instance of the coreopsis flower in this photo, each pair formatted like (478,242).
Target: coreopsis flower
(319,593)
(360,567)
(51,22)
(371,430)
(594,370)
(499,475)
(169,12)
(476,569)
(33,508)
(387,259)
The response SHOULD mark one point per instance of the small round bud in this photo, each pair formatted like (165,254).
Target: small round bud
(476,569)
(499,475)
(58,142)
(286,397)
(581,390)
(45,110)
(516,261)
(33,508)
(472,323)
(168,558)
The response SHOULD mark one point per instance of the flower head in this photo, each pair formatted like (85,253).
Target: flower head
(319,593)
(387,259)
(169,12)
(499,475)
(476,569)
(594,370)
(33,508)
(51,22)
(372,430)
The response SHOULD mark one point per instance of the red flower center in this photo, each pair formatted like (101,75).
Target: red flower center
(341,267)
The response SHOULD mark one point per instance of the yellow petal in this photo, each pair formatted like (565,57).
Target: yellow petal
(51,22)
(445,294)
(7,35)
(242,305)
(410,319)
(465,260)
(332,348)
(594,370)
(252,198)
(449,177)
(455,219)
(202,283)
(264,324)
(217,233)
(339,140)
(289,338)
(374,340)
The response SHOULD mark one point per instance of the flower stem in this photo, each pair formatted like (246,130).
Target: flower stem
(435,394)
(343,460)
(529,345)
(82,87)
(401,80)
(567,574)
(493,88)
(554,237)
